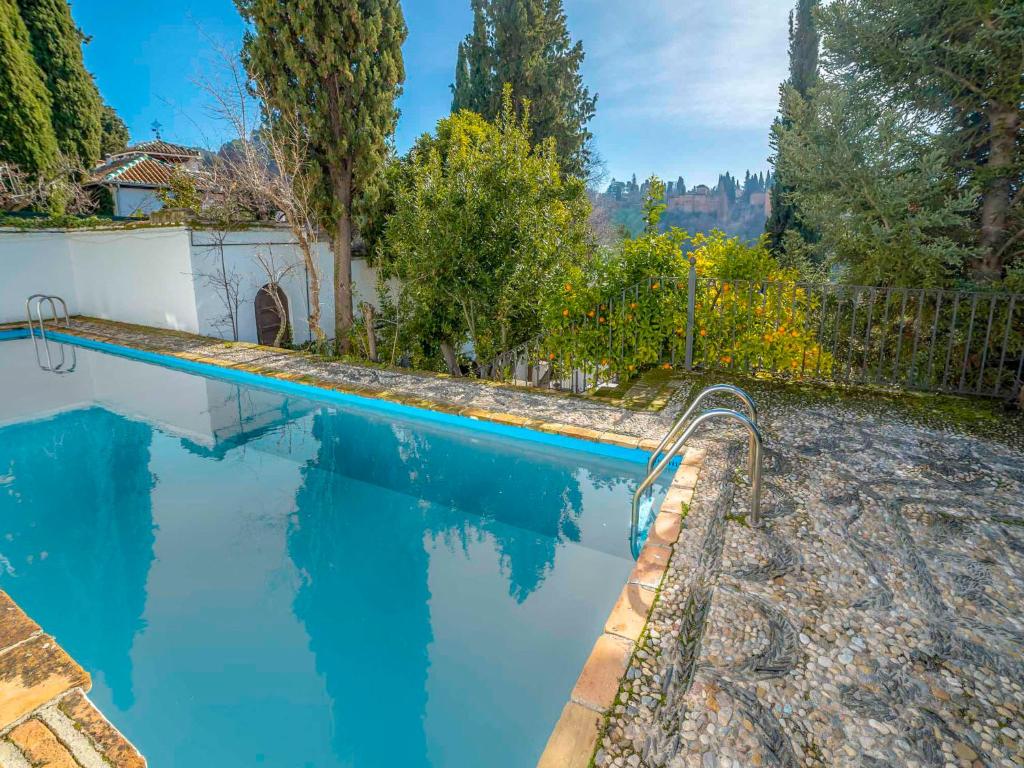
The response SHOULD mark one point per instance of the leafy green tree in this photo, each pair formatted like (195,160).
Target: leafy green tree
(336,65)
(957,66)
(628,311)
(114,133)
(784,221)
(875,187)
(26,129)
(76,106)
(486,224)
(526,44)
(183,192)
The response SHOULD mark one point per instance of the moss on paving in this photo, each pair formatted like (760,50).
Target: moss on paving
(988,418)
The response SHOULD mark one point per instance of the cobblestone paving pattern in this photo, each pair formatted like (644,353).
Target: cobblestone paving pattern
(873,620)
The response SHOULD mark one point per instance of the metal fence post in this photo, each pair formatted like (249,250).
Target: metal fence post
(691,299)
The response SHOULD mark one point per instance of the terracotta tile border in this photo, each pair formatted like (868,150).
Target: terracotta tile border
(574,740)
(45,717)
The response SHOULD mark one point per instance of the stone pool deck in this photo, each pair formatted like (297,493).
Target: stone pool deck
(547,411)
(46,719)
(874,619)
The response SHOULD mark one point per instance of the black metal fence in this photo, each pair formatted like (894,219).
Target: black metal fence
(907,338)
(936,340)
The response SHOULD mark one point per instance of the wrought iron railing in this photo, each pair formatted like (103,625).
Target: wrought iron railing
(961,341)
(907,338)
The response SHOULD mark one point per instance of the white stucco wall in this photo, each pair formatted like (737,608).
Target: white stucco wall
(139,276)
(133,201)
(241,252)
(37,262)
(165,277)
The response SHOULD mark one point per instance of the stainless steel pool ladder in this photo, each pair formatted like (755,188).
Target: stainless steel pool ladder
(673,450)
(680,422)
(52,300)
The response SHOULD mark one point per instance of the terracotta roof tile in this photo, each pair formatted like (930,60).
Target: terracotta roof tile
(141,170)
(163,150)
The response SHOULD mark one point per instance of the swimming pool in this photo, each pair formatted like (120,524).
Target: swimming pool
(257,578)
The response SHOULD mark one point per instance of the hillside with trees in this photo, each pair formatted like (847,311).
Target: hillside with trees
(734,207)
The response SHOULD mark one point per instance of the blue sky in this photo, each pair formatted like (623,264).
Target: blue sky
(686,87)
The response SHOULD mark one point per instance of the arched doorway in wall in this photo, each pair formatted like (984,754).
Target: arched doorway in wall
(271,314)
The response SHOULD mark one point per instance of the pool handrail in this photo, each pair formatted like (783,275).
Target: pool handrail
(52,301)
(680,422)
(677,446)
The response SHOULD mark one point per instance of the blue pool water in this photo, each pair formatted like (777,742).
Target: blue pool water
(258,579)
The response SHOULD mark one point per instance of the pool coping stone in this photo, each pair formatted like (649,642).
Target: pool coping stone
(574,740)
(46,718)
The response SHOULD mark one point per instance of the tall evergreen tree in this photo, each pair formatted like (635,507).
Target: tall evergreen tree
(26,128)
(115,136)
(76,106)
(957,67)
(804,41)
(526,43)
(474,70)
(336,65)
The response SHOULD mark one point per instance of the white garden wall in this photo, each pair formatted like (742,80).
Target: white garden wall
(166,277)
(136,276)
(236,254)
(40,263)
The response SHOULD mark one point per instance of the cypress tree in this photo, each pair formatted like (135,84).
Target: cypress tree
(115,136)
(803,74)
(26,130)
(337,66)
(474,74)
(955,66)
(526,44)
(76,106)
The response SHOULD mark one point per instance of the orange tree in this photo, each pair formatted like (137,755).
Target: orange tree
(750,313)
(627,310)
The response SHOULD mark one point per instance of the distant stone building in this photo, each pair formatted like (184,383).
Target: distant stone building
(736,208)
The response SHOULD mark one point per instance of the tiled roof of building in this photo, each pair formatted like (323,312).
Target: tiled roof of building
(163,150)
(138,169)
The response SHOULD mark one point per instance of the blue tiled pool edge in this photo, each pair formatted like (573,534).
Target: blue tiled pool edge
(315,392)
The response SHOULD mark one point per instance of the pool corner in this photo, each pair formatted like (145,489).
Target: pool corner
(46,717)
